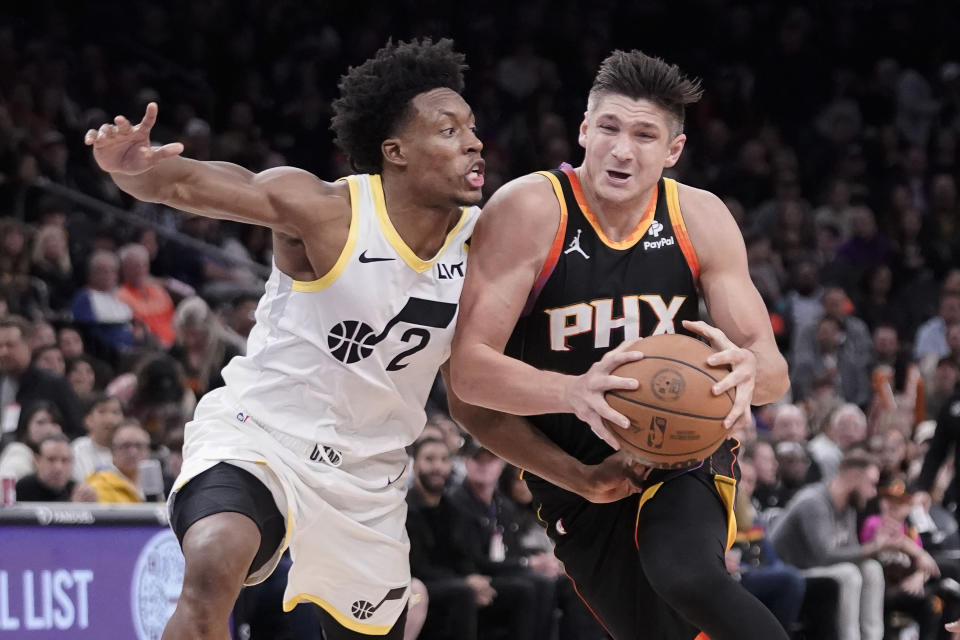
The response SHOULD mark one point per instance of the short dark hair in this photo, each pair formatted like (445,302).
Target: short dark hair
(96,399)
(39,351)
(375,96)
(18,322)
(54,437)
(750,450)
(422,442)
(636,75)
(857,458)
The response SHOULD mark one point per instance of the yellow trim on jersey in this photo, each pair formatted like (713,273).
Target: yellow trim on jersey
(558,191)
(638,232)
(393,237)
(680,228)
(344,621)
(726,487)
(328,278)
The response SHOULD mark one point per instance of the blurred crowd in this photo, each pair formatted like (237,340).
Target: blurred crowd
(830,131)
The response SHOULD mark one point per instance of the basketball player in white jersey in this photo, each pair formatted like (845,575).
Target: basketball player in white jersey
(304,446)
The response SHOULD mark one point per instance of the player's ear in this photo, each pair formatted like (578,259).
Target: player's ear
(676,148)
(392,150)
(582,138)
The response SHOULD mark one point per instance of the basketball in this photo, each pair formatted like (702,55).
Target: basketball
(675,420)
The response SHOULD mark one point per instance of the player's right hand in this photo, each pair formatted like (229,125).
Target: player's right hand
(584,393)
(617,477)
(125,148)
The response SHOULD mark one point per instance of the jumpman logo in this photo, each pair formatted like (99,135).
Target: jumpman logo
(575,246)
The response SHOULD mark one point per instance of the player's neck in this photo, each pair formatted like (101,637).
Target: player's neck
(422,227)
(618,219)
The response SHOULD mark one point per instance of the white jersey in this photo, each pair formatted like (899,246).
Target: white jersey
(348,360)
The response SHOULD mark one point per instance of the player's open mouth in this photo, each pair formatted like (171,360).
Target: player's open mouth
(617,176)
(475,175)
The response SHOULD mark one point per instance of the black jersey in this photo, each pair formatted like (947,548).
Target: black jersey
(592,294)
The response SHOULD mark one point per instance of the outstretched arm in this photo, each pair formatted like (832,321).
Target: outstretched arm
(742,333)
(212,189)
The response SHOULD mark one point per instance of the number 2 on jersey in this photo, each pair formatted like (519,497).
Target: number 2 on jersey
(416,332)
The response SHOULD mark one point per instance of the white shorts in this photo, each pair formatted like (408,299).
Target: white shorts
(345,519)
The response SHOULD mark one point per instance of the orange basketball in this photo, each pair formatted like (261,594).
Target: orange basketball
(675,420)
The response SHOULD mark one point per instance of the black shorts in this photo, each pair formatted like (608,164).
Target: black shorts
(225,488)
(601,546)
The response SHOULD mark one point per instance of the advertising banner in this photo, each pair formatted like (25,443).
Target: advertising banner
(101,583)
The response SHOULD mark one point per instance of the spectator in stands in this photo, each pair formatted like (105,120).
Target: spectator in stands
(43,334)
(150,302)
(161,401)
(793,463)
(818,533)
(931,341)
(37,421)
(777,585)
(49,358)
(70,342)
(944,213)
(97,308)
(865,247)
(51,264)
(790,424)
(460,595)
(830,359)
(492,528)
(895,360)
(875,303)
(92,451)
(846,427)
(15,269)
(946,437)
(82,376)
(765,491)
(240,320)
(894,454)
(577,622)
(907,568)
(201,348)
(120,481)
(944,383)
(52,481)
(803,301)
(22,384)
(857,344)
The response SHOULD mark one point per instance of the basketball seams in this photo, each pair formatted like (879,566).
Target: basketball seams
(661,408)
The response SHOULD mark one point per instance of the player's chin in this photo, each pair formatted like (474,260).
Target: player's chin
(469,197)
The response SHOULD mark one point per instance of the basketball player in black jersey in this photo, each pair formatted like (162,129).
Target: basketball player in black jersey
(564,267)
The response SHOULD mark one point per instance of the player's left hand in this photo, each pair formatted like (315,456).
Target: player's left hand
(743,375)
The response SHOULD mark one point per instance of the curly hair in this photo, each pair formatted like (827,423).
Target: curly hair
(375,96)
